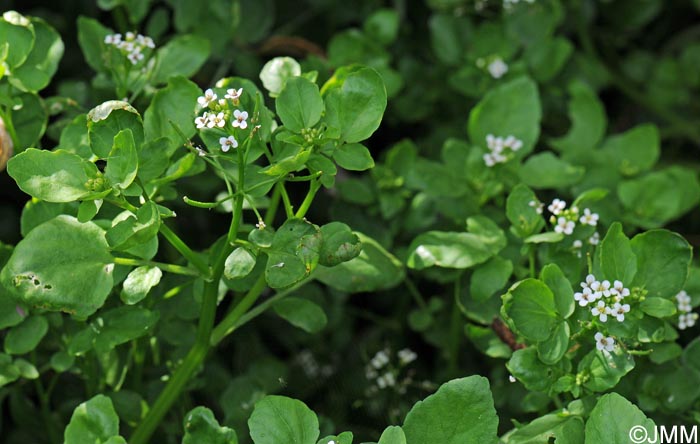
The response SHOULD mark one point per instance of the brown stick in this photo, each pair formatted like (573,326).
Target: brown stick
(505,335)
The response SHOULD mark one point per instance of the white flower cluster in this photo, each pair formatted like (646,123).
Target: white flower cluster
(219,112)
(564,220)
(687,318)
(500,149)
(606,297)
(380,370)
(131,45)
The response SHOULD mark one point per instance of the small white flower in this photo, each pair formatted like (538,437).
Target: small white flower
(200,151)
(380,359)
(511,378)
(216,120)
(260,225)
(619,291)
(228,143)
(386,380)
(240,121)
(208,97)
(130,36)
(687,320)
(113,39)
(148,42)
(489,160)
(565,226)
(202,121)
(536,205)
(577,244)
(601,310)
(684,307)
(588,282)
(557,206)
(594,239)
(589,218)
(601,288)
(497,68)
(683,297)
(135,57)
(234,94)
(604,343)
(619,310)
(584,297)
(406,356)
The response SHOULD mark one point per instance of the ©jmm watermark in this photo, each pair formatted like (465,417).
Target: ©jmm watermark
(664,435)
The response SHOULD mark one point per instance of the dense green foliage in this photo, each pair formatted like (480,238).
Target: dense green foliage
(408,222)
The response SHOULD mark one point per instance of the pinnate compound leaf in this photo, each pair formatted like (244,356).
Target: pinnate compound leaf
(613,418)
(460,412)
(57,176)
(374,269)
(278,419)
(61,265)
(299,105)
(93,421)
(302,313)
(201,427)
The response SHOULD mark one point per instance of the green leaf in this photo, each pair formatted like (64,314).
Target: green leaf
(129,231)
(29,120)
(278,419)
(36,71)
(635,150)
(561,288)
(382,26)
(277,72)
(343,438)
(605,369)
(460,412)
(88,209)
(552,350)
(105,121)
(588,120)
(564,427)
(546,170)
(549,237)
(658,307)
(121,325)
(525,365)
(612,420)
(201,427)
(457,250)
(91,37)
(25,337)
(548,57)
(301,313)
(93,421)
(530,304)
(512,108)
(299,105)
(490,277)
(617,260)
(659,197)
(123,161)
(663,261)
(294,253)
(18,31)
(239,263)
(61,265)
(339,244)
(392,435)
(522,215)
(374,269)
(172,105)
(138,283)
(181,56)
(355,101)
(353,157)
(56,176)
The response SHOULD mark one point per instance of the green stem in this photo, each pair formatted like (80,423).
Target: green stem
(314,186)
(185,250)
(229,323)
(171,268)
(415,293)
(288,209)
(199,350)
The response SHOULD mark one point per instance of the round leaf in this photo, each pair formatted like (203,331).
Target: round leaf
(138,283)
(530,304)
(299,105)
(24,337)
(302,313)
(278,419)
